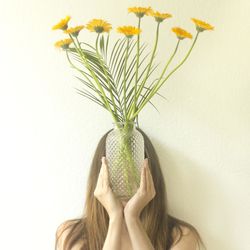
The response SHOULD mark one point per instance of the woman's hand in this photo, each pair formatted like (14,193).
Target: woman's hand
(144,194)
(104,193)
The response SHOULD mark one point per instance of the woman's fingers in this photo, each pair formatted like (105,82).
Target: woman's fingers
(143,184)
(99,184)
(101,176)
(105,172)
(148,185)
(151,189)
(149,180)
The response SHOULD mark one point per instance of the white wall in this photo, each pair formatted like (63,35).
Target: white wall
(49,134)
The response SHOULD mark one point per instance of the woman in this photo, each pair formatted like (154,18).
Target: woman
(142,223)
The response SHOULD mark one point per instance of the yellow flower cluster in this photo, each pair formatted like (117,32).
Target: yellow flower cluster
(159,17)
(129,31)
(140,11)
(64,44)
(181,33)
(74,31)
(63,24)
(201,25)
(99,26)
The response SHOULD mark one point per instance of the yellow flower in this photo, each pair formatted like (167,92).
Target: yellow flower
(128,31)
(99,26)
(201,26)
(74,31)
(140,11)
(159,17)
(63,24)
(64,44)
(181,33)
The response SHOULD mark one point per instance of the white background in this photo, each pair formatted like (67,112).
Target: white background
(49,133)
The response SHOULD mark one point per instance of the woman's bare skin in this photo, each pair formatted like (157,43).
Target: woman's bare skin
(125,239)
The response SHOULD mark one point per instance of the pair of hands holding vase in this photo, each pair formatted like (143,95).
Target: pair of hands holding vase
(135,205)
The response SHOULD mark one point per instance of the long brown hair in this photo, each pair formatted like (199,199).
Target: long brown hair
(91,229)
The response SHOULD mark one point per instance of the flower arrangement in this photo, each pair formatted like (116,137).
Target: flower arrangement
(117,86)
(120,79)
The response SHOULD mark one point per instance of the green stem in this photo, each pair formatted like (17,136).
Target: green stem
(131,173)
(106,49)
(84,74)
(148,68)
(162,74)
(137,63)
(166,78)
(106,74)
(124,79)
(110,69)
(94,76)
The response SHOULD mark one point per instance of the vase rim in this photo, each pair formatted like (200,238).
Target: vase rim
(121,123)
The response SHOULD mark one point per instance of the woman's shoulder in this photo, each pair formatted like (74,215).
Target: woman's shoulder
(62,232)
(187,235)
(185,230)
(64,227)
